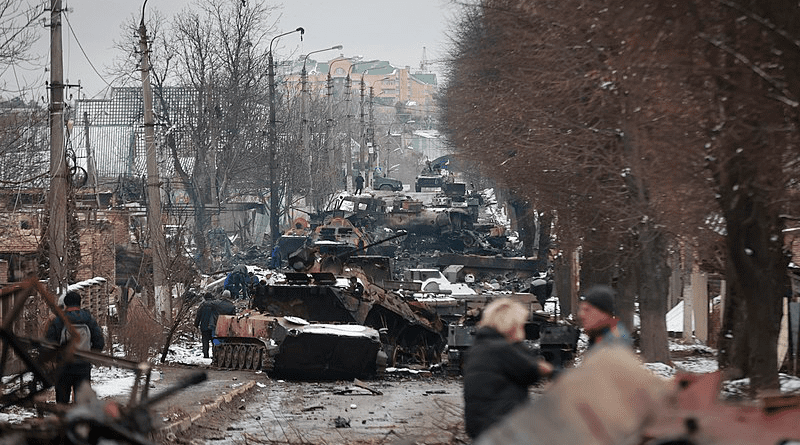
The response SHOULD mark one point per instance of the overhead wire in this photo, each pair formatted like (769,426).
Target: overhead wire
(72,31)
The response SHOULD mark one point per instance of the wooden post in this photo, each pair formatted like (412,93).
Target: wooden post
(700,300)
(163,300)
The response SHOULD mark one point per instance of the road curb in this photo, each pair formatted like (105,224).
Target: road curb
(170,431)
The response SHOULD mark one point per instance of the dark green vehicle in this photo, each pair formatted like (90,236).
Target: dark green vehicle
(384,183)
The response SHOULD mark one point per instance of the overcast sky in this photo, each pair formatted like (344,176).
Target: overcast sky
(396,31)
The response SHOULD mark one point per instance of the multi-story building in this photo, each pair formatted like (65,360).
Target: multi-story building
(392,109)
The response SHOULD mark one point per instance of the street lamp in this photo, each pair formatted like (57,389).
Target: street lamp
(371,131)
(273,140)
(348,92)
(303,131)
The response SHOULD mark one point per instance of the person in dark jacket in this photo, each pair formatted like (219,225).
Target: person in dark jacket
(597,317)
(237,283)
(359,184)
(206,319)
(207,314)
(498,368)
(78,371)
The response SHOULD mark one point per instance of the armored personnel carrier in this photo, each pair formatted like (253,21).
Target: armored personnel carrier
(294,348)
(334,317)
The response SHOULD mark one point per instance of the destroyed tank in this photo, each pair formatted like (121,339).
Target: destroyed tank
(295,348)
(322,290)
(319,323)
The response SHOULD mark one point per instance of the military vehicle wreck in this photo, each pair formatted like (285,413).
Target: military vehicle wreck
(292,347)
(331,318)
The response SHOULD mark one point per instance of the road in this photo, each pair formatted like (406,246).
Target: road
(401,407)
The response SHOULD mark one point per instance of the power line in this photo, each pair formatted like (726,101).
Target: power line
(84,52)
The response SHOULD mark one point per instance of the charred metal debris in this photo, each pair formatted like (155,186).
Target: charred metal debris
(384,281)
(30,366)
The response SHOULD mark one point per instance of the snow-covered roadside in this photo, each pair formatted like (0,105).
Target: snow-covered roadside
(110,382)
(704,360)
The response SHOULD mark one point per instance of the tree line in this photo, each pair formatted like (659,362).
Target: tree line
(645,130)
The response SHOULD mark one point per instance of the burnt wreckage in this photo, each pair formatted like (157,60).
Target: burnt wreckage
(30,366)
(340,313)
(331,319)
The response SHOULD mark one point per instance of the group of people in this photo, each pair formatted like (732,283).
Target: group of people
(499,369)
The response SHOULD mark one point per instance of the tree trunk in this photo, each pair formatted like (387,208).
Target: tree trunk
(653,290)
(562,274)
(757,274)
(525,224)
(627,288)
(545,221)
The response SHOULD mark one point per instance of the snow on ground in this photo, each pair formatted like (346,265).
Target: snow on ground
(701,359)
(110,382)
(697,358)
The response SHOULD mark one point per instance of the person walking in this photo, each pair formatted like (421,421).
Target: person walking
(207,314)
(597,318)
(359,184)
(206,319)
(77,371)
(498,368)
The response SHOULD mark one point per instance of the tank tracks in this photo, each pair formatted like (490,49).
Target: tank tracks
(248,356)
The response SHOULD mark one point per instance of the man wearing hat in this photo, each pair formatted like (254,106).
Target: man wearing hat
(596,314)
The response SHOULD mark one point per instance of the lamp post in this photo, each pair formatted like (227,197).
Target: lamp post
(273,140)
(338,155)
(348,93)
(370,131)
(304,136)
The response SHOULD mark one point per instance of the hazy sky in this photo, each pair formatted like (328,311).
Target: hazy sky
(396,31)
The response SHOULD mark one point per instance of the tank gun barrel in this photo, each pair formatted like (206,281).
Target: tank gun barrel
(358,249)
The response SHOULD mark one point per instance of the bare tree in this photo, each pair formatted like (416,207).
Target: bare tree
(220,52)
(17,31)
(607,112)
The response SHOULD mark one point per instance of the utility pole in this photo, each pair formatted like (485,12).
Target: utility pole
(274,227)
(348,85)
(158,249)
(330,159)
(313,156)
(304,135)
(372,155)
(362,151)
(57,199)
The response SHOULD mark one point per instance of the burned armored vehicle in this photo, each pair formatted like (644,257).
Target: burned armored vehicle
(331,318)
(411,332)
(294,348)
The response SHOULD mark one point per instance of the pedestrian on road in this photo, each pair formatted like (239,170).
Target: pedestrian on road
(359,184)
(77,371)
(499,368)
(597,317)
